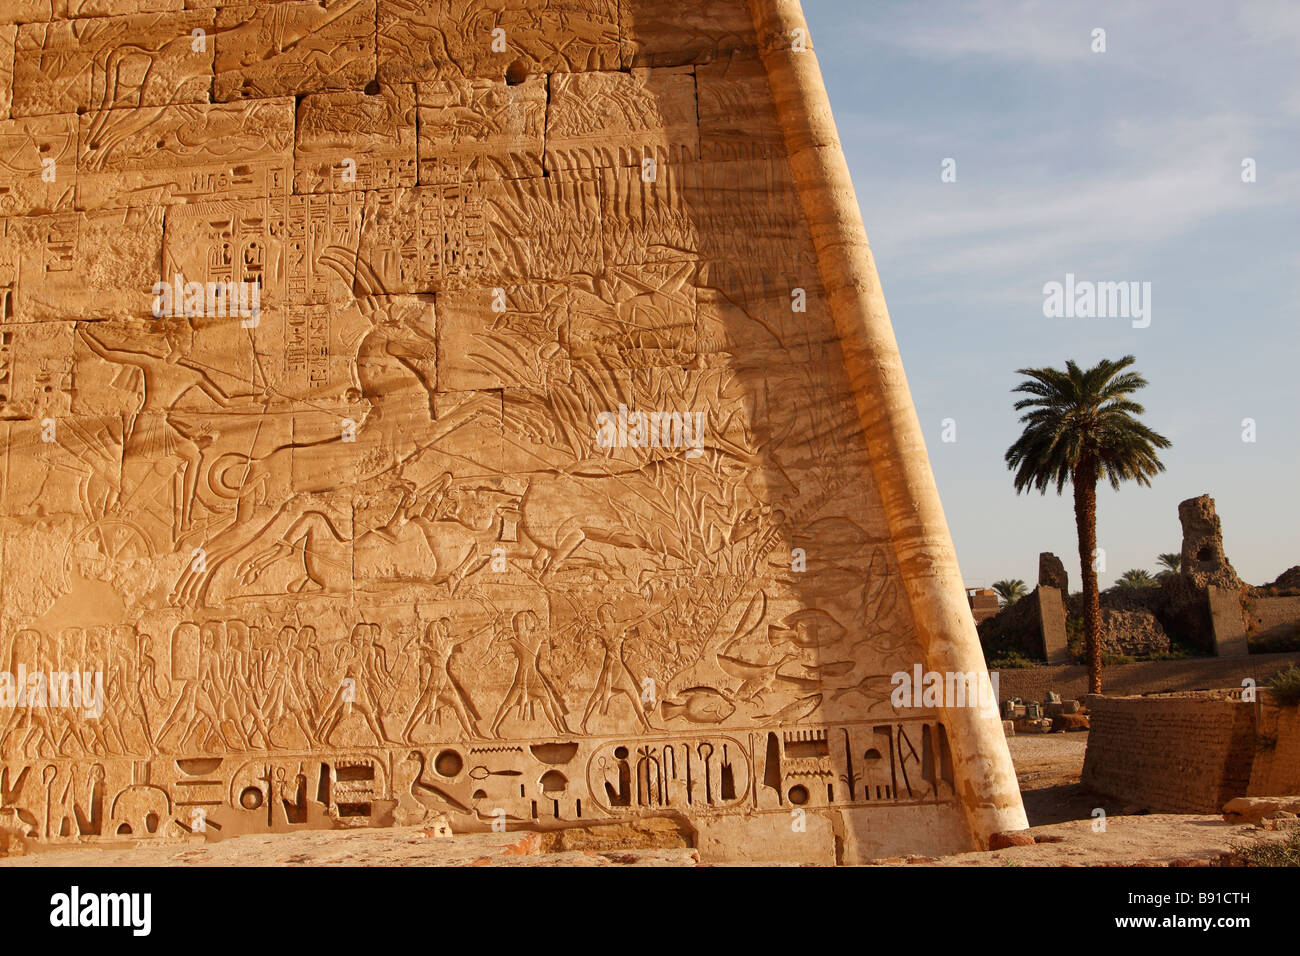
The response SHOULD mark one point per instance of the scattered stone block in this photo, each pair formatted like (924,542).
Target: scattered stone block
(1063,722)
(1255,809)
(1033,725)
(1002,841)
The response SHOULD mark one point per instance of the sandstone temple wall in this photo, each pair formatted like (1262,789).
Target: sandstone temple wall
(1144,677)
(473,412)
(1173,754)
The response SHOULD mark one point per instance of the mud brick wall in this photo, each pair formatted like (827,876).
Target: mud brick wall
(1176,754)
(1273,617)
(1276,769)
(1144,677)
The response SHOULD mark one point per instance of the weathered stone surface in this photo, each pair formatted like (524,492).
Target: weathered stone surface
(1132,632)
(1001,841)
(1051,617)
(737,116)
(1255,809)
(477,129)
(1051,573)
(352,140)
(1018,628)
(11,843)
(25,11)
(185,154)
(447,39)
(1067,722)
(1203,560)
(72,66)
(8,38)
(518,339)
(38,170)
(1229,622)
(1033,725)
(1170,753)
(668,33)
(294,47)
(36,365)
(43,11)
(71,9)
(480,413)
(602,120)
(409,44)
(81,265)
(1276,768)
(1288,580)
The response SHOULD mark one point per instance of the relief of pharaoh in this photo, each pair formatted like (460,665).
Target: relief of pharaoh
(273,521)
(155,435)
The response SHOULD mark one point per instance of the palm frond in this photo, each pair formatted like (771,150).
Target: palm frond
(1076,417)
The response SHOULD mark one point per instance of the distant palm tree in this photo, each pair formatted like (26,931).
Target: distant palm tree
(1170,564)
(1135,578)
(1010,590)
(1081,427)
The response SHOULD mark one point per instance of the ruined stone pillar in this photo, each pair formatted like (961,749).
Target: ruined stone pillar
(986,780)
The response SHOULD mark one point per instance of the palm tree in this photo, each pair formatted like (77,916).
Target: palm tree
(1081,427)
(1135,578)
(1010,590)
(1170,563)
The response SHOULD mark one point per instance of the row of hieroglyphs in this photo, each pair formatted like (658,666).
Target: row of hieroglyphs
(479,786)
(535,485)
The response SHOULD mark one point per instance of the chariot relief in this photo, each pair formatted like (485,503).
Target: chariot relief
(397,428)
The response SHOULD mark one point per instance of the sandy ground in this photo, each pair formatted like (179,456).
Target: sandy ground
(391,846)
(1060,810)
(1062,817)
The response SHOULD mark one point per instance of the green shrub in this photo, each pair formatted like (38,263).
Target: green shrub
(1285,686)
(1271,854)
(1009,661)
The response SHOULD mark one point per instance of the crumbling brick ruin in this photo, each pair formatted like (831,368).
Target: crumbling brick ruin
(1193,752)
(1205,608)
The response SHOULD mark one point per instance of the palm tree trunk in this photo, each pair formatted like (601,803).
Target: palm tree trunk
(1084,480)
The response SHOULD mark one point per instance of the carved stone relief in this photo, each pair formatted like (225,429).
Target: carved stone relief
(427,429)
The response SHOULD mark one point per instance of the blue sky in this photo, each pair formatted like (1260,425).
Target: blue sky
(1117,166)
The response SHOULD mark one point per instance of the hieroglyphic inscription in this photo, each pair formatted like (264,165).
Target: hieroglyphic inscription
(186,153)
(426,412)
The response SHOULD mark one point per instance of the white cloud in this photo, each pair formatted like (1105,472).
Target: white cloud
(1050,34)
(1268,21)
(1176,176)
